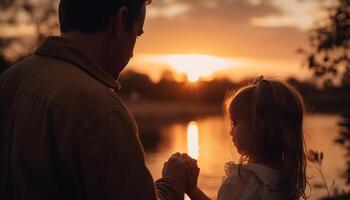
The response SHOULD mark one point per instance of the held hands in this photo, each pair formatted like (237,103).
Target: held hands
(183,169)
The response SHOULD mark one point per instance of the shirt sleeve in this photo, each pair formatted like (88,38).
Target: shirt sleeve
(113,166)
(168,189)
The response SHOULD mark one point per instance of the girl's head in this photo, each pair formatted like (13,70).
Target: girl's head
(267,121)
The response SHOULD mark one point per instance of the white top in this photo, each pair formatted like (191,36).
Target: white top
(254,182)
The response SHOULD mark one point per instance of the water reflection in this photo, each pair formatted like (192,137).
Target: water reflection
(192,140)
(150,138)
(208,140)
(205,140)
(344,140)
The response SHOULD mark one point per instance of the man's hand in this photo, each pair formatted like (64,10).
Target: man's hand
(176,169)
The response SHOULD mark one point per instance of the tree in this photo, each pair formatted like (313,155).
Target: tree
(329,55)
(24,24)
(329,59)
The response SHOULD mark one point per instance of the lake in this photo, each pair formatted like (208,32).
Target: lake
(207,139)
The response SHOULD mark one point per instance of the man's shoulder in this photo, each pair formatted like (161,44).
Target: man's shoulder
(42,69)
(61,84)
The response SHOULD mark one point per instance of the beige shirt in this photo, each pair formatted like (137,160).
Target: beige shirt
(250,182)
(65,134)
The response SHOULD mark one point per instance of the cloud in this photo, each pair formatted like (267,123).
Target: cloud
(274,21)
(229,10)
(263,13)
(264,33)
(301,14)
(222,28)
(168,11)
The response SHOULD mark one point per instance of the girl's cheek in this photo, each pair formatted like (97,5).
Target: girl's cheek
(233,133)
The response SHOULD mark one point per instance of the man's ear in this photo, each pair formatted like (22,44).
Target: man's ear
(119,21)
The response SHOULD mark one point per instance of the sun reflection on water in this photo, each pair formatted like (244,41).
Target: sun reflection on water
(192,140)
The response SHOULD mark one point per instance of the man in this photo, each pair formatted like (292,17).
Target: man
(64,132)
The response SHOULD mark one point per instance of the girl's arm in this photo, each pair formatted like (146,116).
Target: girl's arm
(197,194)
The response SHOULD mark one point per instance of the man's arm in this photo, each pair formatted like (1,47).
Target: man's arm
(113,166)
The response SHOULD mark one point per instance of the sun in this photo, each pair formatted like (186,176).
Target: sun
(196,66)
(193,77)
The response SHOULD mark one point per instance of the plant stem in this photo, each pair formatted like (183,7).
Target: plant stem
(323,178)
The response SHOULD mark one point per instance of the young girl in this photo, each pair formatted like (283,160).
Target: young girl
(267,121)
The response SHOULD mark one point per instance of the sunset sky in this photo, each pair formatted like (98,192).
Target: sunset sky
(235,39)
(231,38)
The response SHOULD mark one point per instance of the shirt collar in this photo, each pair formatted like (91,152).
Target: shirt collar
(61,48)
(267,176)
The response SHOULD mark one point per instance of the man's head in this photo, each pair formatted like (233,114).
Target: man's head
(118,22)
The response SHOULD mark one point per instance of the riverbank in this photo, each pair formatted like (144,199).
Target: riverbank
(170,110)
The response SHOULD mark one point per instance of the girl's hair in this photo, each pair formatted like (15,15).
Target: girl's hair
(274,111)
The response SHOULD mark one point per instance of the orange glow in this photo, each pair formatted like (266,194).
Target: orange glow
(196,66)
(207,67)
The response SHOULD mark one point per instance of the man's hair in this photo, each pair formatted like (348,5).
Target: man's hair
(89,16)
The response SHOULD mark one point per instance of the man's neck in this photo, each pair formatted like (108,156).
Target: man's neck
(93,47)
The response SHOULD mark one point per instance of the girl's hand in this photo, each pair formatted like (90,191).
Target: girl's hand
(192,172)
